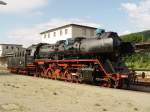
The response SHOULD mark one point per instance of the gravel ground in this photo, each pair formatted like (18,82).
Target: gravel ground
(30,94)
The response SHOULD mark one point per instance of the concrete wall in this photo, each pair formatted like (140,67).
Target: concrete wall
(83,32)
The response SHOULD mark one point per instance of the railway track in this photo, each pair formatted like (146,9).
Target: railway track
(140,84)
(140,87)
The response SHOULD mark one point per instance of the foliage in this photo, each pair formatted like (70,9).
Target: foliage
(138,61)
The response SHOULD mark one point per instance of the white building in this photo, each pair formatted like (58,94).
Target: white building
(67,31)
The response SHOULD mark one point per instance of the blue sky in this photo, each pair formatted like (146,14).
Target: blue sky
(21,21)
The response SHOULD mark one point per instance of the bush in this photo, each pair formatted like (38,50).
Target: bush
(138,61)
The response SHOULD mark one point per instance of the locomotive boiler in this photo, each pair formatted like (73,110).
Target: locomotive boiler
(90,60)
(105,44)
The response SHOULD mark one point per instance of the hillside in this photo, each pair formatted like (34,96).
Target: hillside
(137,37)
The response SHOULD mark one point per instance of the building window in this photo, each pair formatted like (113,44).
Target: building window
(45,35)
(23,54)
(54,34)
(17,48)
(66,31)
(12,47)
(83,31)
(20,54)
(60,32)
(91,33)
(48,35)
(6,47)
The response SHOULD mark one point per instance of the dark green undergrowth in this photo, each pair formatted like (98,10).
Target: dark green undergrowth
(140,61)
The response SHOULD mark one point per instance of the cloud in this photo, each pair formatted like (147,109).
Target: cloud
(28,36)
(52,23)
(125,32)
(21,6)
(24,36)
(139,13)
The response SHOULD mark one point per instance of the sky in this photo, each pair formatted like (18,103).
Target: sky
(21,21)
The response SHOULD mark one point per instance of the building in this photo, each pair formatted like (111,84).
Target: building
(143,46)
(7,50)
(67,31)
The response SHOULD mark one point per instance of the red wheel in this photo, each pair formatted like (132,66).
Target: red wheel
(57,74)
(49,73)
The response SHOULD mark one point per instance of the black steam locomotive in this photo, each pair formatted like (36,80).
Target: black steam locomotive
(91,60)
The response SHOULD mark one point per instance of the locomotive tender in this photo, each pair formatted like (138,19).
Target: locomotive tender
(96,61)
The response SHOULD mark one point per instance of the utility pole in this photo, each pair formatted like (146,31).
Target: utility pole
(2,3)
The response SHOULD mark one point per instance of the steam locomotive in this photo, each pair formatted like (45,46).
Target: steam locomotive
(95,61)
